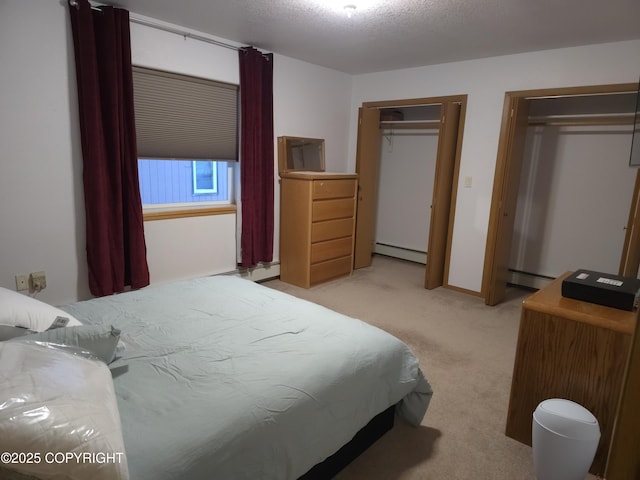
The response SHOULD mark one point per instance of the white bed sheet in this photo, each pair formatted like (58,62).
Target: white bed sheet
(227,379)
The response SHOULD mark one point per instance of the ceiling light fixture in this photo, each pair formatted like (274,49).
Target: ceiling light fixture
(350,9)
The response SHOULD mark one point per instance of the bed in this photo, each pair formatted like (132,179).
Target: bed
(219,377)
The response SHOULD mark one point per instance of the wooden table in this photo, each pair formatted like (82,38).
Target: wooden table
(569,349)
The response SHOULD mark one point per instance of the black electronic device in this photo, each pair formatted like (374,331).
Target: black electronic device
(602,288)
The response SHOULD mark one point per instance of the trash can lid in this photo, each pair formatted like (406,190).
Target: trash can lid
(566,418)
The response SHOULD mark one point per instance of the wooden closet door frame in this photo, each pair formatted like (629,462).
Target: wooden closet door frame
(495,272)
(630,259)
(440,218)
(505,197)
(367,167)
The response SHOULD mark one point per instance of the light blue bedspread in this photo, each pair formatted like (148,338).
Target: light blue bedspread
(221,378)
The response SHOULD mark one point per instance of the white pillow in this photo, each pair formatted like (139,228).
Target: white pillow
(56,403)
(20,310)
(101,341)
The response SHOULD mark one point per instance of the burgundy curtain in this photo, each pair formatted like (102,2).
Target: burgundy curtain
(256,150)
(116,250)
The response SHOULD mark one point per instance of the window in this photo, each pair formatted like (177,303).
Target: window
(187,142)
(205,178)
(178,184)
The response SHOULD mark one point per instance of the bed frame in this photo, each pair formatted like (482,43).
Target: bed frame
(367,436)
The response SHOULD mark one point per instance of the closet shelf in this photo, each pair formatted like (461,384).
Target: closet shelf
(409,124)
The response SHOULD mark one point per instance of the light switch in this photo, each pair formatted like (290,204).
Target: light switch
(467,182)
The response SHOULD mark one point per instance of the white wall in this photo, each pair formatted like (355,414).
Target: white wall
(41,199)
(574,199)
(485,81)
(313,101)
(405,190)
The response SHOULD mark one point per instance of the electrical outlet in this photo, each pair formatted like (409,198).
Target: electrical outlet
(22,282)
(38,281)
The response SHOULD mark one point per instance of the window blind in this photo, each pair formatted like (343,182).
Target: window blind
(184,117)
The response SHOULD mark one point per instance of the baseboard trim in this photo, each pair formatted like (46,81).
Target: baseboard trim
(400,252)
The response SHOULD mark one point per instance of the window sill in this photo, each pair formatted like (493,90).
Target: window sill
(188,212)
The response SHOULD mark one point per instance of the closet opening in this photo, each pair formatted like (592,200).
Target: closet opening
(408,153)
(563,187)
(407,162)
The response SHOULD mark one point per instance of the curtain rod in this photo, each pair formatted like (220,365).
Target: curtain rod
(182,33)
(74,3)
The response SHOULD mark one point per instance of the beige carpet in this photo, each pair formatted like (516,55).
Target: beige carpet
(466,351)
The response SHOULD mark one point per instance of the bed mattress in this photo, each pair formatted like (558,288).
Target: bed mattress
(222,378)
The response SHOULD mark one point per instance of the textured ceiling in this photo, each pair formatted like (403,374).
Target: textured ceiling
(392,34)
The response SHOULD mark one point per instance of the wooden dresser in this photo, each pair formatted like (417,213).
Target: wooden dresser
(569,349)
(317,224)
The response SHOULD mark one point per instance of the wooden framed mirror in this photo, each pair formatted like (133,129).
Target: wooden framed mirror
(300,154)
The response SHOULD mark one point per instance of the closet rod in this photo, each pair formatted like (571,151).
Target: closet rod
(411,105)
(586,119)
(597,94)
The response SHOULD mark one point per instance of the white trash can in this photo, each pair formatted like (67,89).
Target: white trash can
(565,437)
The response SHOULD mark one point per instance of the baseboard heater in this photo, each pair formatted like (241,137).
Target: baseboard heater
(528,279)
(400,252)
(259,273)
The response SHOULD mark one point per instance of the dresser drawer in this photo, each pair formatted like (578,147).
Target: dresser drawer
(330,209)
(334,188)
(331,249)
(331,269)
(330,229)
